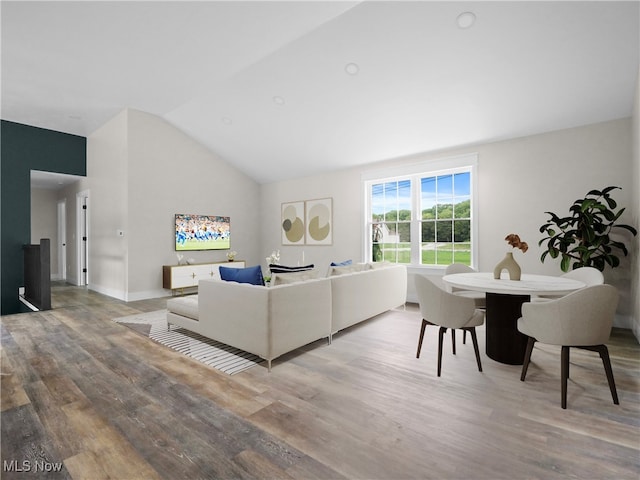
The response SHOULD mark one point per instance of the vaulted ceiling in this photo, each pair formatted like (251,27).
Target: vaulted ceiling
(288,89)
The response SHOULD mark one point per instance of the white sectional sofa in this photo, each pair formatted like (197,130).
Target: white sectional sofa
(359,295)
(271,321)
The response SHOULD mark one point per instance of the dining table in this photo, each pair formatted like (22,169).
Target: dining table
(504,299)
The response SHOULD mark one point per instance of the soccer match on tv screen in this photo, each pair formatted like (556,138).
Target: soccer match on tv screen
(202,232)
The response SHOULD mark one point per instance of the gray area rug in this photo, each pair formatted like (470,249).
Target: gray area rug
(222,357)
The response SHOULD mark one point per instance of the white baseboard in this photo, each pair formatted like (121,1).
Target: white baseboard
(130,297)
(623,321)
(135,296)
(119,294)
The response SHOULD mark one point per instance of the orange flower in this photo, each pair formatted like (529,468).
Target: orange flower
(515,242)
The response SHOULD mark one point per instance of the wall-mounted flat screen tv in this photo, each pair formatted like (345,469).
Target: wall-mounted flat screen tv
(202,232)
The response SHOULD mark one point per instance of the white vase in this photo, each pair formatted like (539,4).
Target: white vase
(509,264)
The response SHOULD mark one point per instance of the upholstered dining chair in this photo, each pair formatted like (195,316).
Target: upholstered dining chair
(446,310)
(588,275)
(478,297)
(581,319)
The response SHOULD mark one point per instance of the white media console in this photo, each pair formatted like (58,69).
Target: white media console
(178,277)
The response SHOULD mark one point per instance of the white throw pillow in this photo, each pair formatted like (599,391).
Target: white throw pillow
(293,277)
(356,267)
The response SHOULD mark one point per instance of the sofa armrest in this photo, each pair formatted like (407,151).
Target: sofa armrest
(236,314)
(362,295)
(300,313)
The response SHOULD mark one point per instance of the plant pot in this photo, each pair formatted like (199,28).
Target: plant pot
(509,264)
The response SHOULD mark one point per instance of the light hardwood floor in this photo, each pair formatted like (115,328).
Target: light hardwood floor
(108,403)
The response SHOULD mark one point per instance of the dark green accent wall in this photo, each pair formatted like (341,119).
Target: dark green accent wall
(25,148)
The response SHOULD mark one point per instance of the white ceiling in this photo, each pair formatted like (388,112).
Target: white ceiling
(213,69)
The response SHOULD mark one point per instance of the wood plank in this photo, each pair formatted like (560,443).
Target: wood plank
(11,392)
(25,445)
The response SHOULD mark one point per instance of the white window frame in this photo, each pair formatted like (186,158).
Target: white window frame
(415,172)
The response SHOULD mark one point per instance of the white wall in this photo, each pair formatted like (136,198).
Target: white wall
(344,188)
(107,172)
(169,173)
(44,223)
(141,171)
(635,213)
(518,181)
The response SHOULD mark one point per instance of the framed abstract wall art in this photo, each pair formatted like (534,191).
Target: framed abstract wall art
(319,221)
(292,223)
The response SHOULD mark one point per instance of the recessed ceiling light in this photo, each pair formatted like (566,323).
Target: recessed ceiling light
(278,100)
(352,68)
(466,19)
(227,120)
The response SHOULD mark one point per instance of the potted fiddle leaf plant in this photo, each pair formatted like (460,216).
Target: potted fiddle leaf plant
(583,239)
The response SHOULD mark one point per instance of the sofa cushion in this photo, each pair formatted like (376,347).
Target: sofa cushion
(252,275)
(185,306)
(358,267)
(285,269)
(374,265)
(293,277)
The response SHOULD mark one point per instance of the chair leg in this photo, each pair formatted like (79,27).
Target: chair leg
(464,337)
(527,357)
(565,373)
(474,339)
(424,326)
(441,333)
(606,361)
(453,339)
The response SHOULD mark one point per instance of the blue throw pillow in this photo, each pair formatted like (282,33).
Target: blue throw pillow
(341,264)
(252,275)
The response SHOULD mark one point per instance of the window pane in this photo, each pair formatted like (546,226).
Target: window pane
(462,209)
(444,185)
(390,240)
(404,200)
(462,184)
(395,243)
(462,231)
(376,242)
(444,231)
(429,213)
(428,232)
(377,202)
(462,253)
(445,210)
(391,201)
(462,241)
(404,232)
(428,196)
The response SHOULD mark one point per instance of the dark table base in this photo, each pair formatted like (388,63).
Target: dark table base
(505,343)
